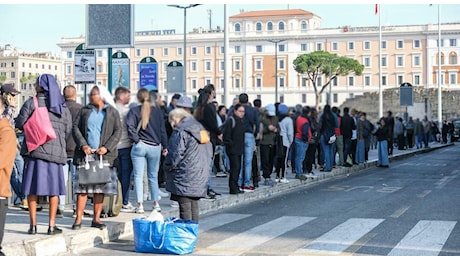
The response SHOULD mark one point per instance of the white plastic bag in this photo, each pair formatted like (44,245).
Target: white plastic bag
(155,215)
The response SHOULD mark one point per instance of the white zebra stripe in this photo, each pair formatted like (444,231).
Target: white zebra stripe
(341,237)
(220,220)
(424,239)
(249,239)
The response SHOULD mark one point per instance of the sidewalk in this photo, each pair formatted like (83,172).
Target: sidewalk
(17,242)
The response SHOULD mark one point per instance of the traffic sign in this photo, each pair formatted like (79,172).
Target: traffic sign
(406,94)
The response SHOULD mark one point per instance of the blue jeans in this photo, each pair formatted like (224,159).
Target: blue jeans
(328,152)
(301,148)
(419,140)
(68,169)
(246,170)
(383,153)
(16,176)
(360,151)
(125,169)
(142,153)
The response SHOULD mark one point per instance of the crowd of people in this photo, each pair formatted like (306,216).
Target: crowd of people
(150,145)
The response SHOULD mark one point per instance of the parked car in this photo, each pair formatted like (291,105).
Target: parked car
(456,134)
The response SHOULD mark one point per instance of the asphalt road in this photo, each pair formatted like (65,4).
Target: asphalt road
(409,209)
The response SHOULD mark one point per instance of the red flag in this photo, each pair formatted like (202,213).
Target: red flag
(376,9)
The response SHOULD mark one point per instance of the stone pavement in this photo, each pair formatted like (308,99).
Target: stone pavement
(17,242)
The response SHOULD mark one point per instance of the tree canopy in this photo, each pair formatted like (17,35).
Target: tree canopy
(318,63)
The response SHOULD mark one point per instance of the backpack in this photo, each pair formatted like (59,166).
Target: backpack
(230,118)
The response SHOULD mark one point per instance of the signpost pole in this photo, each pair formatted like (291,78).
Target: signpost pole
(109,83)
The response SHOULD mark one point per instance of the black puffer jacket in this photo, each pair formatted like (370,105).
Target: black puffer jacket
(53,150)
(187,164)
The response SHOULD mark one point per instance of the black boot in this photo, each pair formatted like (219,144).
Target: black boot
(32,230)
(54,230)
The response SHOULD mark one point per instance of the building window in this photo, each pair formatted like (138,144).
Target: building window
(416,61)
(281,48)
(367,45)
(100,53)
(164,67)
(208,50)
(151,52)
(367,80)
(442,43)
(258,64)
(416,44)
(452,59)
(281,26)
(384,80)
(384,44)
(384,61)
(269,26)
(304,82)
(367,61)
(259,26)
(351,81)
(221,65)
(193,66)
(68,70)
(207,65)
(69,55)
(13,74)
(303,47)
(238,49)
(417,80)
(138,52)
(304,98)
(237,27)
(179,51)
(452,78)
(237,65)
(99,68)
(399,44)
(258,48)
(319,81)
(165,51)
(335,46)
(319,46)
(258,81)
(193,51)
(453,42)
(281,64)
(400,79)
(351,46)
(281,98)
(193,83)
(399,61)
(335,98)
(303,25)
(222,50)
(237,82)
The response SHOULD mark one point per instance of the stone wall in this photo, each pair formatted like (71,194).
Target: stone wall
(425,102)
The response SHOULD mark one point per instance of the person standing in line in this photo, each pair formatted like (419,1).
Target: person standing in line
(360,140)
(382,134)
(8,143)
(338,148)
(233,133)
(219,156)
(410,125)
(328,122)
(390,123)
(205,113)
(70,96)
(287,136)
(175,98)
(9,104)
(43,171)
(186,164)
(346,128)
(368,128)
(267,145)
(146,128)
(302,138)
(426,131)
(399,133)
(96,131)
(418,132)
(313,144)
(354,134)
(251,123)
(225,161)
(124,162)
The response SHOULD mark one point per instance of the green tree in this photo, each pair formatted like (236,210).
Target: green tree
(2,79)
(319,63)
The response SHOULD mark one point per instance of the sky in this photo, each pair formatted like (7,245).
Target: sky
(39,27)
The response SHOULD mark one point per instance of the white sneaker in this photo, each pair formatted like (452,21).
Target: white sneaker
(127,208)
(284,180)
(174,204)
(157,208)
(163,194)
(139,210)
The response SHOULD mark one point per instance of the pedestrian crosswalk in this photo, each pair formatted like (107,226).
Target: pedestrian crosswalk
(424,238)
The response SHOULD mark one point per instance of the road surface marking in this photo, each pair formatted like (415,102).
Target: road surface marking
(220,220)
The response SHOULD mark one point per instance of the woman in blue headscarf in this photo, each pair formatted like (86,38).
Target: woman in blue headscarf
(43,173)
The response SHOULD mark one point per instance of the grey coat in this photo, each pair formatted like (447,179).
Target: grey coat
(53,150)
(110,136)
(187,164)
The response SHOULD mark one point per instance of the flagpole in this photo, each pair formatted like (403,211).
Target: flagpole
(439,69)
(380,65)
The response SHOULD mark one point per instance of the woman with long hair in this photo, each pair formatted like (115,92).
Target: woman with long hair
(146,128)
(328,123)
(205,113)
(43,172)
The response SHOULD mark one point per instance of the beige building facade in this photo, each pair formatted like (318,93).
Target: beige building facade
(409,53)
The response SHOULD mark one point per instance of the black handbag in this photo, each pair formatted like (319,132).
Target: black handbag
(94,172)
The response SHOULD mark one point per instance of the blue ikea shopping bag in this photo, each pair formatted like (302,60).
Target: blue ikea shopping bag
(171,236)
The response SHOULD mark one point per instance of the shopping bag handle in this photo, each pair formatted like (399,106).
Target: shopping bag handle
(166,222)
(101,164)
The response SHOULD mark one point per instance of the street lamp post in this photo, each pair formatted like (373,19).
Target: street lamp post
(276,66)
(185,38)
